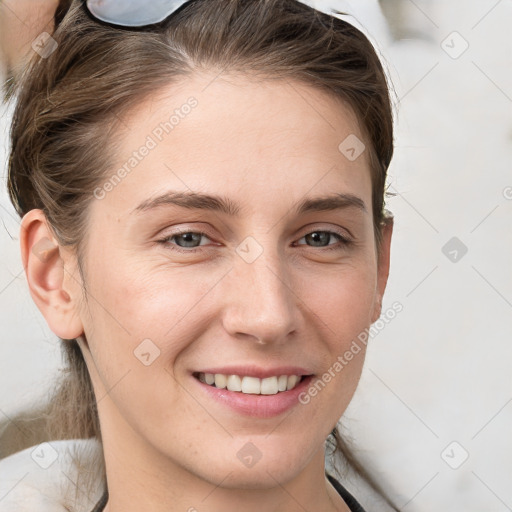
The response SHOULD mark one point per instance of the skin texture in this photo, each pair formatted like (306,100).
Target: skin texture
(21,21)
(266,146)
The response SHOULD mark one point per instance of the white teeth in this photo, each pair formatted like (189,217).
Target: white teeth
(220,381)
(282,382)
(269,386)
(234,383)
(292,381)
(251,385)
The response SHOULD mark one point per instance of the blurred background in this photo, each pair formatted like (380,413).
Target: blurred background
(432,416)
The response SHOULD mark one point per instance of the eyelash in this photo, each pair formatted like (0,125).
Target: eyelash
(343,240)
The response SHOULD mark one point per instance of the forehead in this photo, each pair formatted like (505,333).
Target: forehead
(239,135)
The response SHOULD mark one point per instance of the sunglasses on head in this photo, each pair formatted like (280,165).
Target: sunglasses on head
(133,13)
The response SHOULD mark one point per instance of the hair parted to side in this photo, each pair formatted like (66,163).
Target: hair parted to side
(69,106)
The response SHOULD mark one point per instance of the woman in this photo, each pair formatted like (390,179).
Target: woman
(204,229)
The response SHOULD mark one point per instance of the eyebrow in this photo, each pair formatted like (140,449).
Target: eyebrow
(199,201)
(191,200)
(330,202)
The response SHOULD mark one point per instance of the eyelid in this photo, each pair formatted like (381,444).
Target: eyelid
(165,240)
(342,242)
(344,239)
(184,231)
(342,232)
(172,231)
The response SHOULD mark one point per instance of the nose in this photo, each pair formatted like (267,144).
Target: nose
(260,303)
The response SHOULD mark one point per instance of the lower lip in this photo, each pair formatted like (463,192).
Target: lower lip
(260,406)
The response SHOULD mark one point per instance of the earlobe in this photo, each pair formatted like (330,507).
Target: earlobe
(383,266)
(45,271)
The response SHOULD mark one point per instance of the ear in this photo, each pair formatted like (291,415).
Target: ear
(383,266)
(48,271)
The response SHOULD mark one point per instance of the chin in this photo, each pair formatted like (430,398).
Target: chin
(257,478)
(257,464)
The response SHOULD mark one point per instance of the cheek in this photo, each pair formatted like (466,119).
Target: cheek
(141,321)
(136,300)
(343,298)
(342,304)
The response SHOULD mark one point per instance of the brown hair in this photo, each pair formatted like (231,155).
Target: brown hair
(69,101)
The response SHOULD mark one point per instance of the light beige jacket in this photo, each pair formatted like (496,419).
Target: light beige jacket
(60,476)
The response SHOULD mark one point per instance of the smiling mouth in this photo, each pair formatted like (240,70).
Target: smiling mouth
(250,385)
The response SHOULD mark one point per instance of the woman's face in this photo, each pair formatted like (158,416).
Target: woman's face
(239,242)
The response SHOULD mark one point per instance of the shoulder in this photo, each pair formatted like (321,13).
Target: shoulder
(59,476)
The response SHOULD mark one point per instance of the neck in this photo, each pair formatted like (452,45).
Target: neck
(141,479)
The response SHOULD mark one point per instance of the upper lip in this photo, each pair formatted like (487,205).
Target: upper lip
(256,371)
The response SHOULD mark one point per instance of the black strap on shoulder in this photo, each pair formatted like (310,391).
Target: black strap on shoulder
(351,502)
(101,504)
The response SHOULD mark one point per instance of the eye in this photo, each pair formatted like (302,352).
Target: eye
(325,239)
(185,240)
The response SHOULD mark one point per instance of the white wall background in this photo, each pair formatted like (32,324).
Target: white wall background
(437,385)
